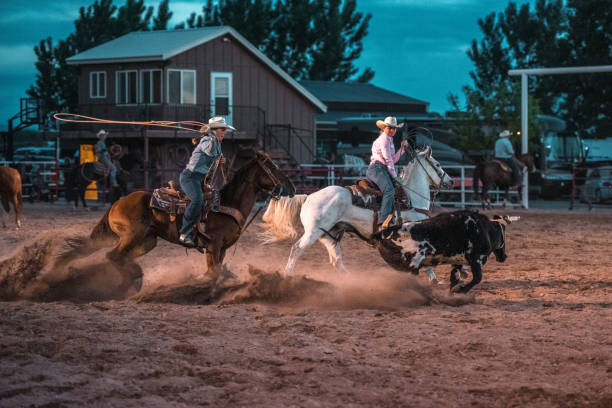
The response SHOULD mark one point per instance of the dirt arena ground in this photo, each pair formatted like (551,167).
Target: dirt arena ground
(537,332)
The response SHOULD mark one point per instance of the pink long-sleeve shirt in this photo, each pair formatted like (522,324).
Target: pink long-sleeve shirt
(383,152)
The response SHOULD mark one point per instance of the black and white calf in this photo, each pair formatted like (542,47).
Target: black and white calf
(455,238)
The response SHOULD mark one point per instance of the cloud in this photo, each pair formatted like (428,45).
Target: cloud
(59,11)
(18,58)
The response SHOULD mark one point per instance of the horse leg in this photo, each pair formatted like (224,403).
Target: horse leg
(486,196)
(7,209)
(455,276)
(214,259)
(334,251)
(17,207)
(298,248)
(131,245)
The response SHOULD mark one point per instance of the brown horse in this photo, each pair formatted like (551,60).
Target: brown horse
(493,173)
(10,191)
(135,227)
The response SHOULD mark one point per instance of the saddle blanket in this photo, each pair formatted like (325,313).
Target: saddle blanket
(169,200)
(366,194)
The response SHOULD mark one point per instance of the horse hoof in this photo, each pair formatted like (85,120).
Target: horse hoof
(137,284)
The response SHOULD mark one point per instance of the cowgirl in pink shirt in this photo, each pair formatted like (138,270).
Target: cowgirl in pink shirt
(381,170)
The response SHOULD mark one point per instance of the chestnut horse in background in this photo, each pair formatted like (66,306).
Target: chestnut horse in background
(133,226)
(491,173)
(10,191)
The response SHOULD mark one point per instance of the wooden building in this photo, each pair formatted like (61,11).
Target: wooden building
(193,74)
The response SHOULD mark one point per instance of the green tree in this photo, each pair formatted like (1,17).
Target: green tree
(133,16)
(500,110)
(44,88)
(57,82)
(586,97)
(309,39)
(552,34)
(160,21)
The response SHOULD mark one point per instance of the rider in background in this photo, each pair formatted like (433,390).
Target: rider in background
(381,170)
(202,160)
(104,157)
(505,153)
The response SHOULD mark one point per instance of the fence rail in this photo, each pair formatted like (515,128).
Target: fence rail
(44,180)
(309,178)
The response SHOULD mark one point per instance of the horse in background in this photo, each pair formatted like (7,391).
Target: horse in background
(10,192)
(80,177)
(495,173)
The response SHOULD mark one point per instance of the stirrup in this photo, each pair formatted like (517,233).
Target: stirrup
(186,241)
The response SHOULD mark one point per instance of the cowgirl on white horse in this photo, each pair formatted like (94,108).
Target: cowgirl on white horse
(328,212)
(382,166)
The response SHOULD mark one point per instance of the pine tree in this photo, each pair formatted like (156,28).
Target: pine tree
(309,39)
(552,34)
(160,22)
(44,89)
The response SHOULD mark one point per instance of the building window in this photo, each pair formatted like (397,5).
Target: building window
(97,84)
(150,86)
(221,94)
(181,86)
(126,88)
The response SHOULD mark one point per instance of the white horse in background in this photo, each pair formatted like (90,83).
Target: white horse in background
(329,211)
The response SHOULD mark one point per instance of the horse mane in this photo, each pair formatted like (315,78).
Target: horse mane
(228,191)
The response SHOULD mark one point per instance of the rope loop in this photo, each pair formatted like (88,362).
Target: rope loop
(188,125)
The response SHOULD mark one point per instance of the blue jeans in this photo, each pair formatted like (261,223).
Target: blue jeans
(105,159)
(191,183)
(379,175)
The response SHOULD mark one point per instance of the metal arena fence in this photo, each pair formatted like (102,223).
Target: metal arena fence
(309,178)
(44,181)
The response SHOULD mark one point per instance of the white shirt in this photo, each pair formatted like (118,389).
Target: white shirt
(383,152)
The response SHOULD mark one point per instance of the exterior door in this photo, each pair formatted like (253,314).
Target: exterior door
(221,95)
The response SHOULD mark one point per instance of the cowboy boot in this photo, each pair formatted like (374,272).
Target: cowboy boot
(216,201)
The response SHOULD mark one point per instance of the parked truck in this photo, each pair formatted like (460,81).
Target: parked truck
(559,151)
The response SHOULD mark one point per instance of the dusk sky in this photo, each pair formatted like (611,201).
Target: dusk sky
(416,47)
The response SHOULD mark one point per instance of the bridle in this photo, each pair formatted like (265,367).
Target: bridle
(277,189)
(437,186)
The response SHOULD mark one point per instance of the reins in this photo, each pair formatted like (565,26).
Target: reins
(437,186)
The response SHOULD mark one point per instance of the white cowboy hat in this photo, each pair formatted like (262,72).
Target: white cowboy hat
(505,133)
(219,122)
(390,121)
(102,133)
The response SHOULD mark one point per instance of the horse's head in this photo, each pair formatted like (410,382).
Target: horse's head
(270,178)
(528,160)
(438,178)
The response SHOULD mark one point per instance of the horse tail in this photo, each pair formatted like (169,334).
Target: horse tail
(282,218)
(102,230)
(476,178)
(78,247)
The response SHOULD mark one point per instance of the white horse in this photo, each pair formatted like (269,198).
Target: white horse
(329,211)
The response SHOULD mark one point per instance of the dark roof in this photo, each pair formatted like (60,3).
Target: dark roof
(332,91)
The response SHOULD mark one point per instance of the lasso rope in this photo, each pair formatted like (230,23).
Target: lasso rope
(162,123)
